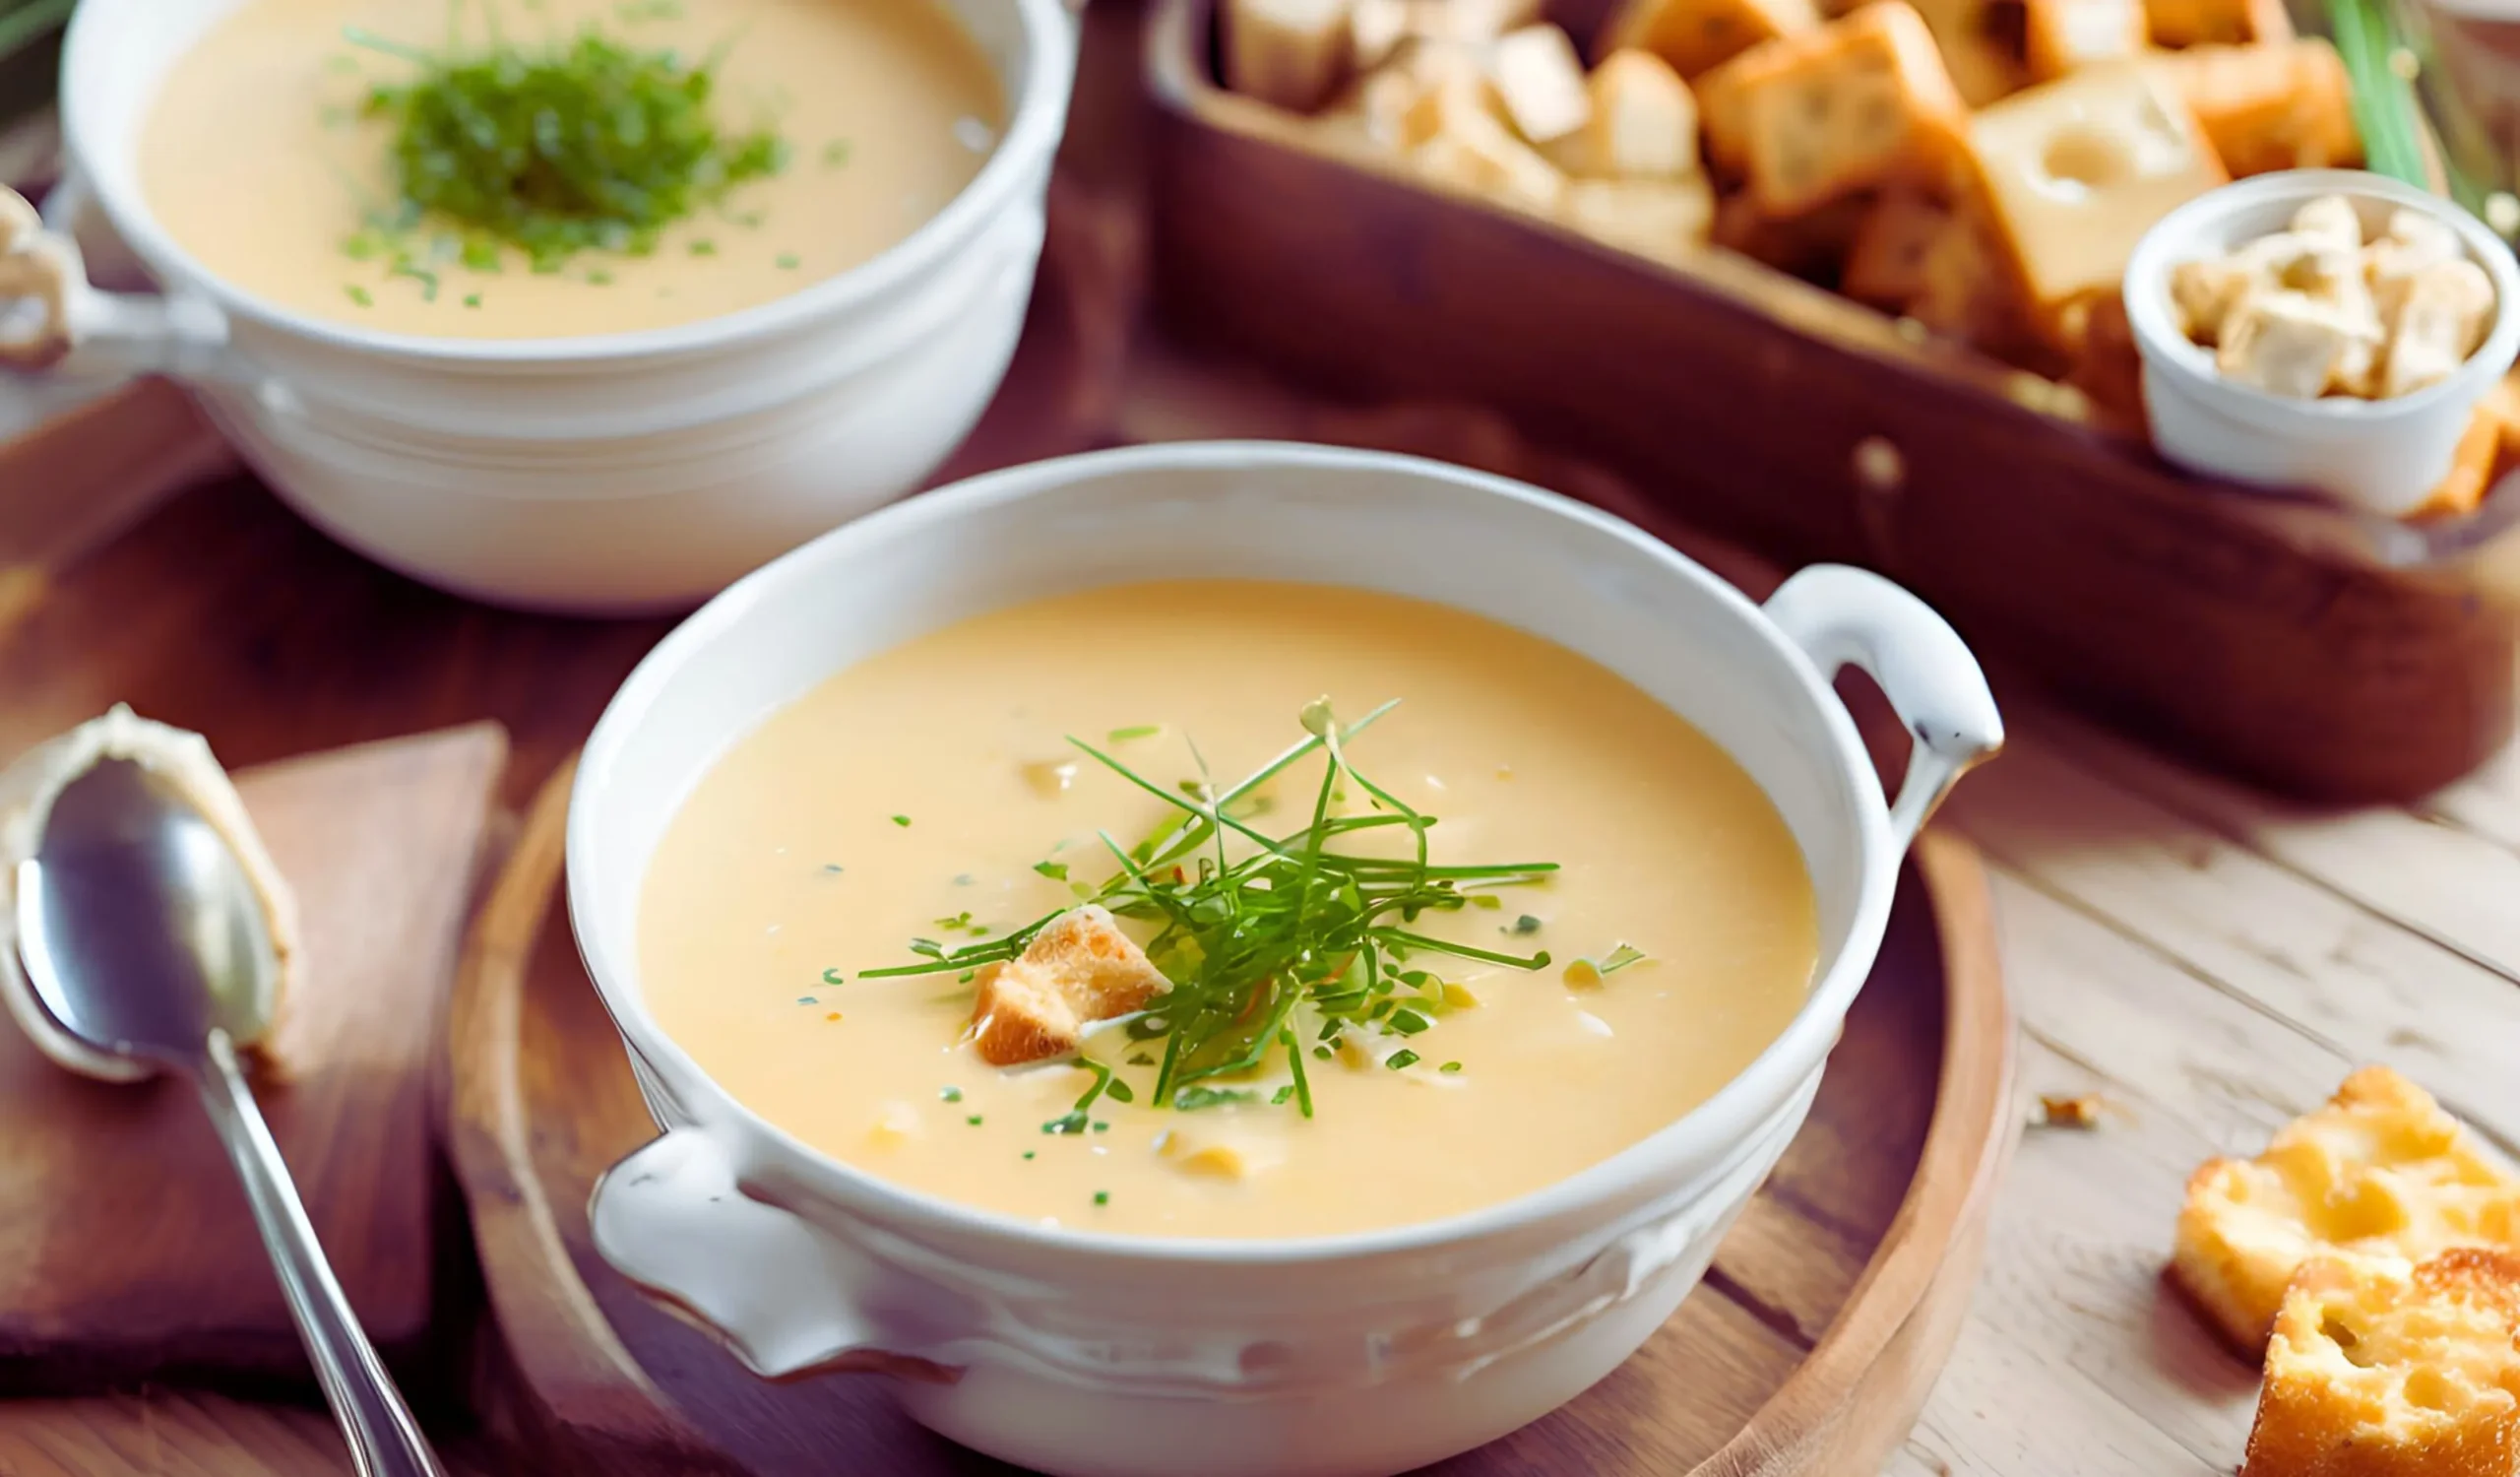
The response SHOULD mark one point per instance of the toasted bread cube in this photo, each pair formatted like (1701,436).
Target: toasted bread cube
(2075,171)
(1541,83)
(1984,45)
(2285,105)
(1663,218)
(1698,36)
(1289,52)
(2380,1168)
(2473,463)
(2295,344)
(1809,246)
(1967,293)
(2216,23)
(2378,1368)
(2440,319)
(1457,139)
(1861,103)
(1643,124)
(1080,968)
(2062,36)
(2411,245)
(1886,265)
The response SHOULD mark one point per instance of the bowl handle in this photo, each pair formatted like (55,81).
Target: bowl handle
(785,1296)
(48,309)
(1840,615)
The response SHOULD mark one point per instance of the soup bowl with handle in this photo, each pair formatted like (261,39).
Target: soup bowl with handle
(1078,1352)
(604,474)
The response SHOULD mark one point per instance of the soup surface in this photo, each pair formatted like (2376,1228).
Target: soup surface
(257,159)
(930,792)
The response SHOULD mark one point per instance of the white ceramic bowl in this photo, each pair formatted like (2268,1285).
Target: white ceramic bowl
(2382,455)
(1085,1353)
(606,474)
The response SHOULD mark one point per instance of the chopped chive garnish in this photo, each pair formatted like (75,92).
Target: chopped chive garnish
(1486,900)
(360,295)
(1403,1057)
(1027,1153)
(807,1000)
(952,1094)
(832,868)
(474,299)
(1271,942)
(1140,1059)
(1136,732)
(1073,1122)
(1281,1094)
(1525,924)
(1101,1127)
(835,154)
(973,1121)
(963,879)
(834,976)
(1056,872)
(578,145)
(1101,1197)
(600,278)
(901,820)
(787,261)
(1449,1066)
(703,247)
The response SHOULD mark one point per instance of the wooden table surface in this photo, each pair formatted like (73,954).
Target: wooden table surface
(2210,962)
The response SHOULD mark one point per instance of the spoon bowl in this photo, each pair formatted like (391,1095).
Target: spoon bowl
(141,931)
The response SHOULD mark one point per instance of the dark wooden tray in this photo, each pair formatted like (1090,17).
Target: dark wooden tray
(2313,650)
(1828,1315)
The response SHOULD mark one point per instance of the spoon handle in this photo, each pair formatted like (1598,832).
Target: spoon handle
(384,1440)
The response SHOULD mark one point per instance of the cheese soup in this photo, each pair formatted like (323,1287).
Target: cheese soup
(1608,923)
(262,156)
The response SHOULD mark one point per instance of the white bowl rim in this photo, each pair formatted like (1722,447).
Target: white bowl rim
(1039,118)
(2172,239)
(1723,1120)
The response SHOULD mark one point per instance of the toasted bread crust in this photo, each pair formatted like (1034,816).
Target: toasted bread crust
(2378,1369)
(1080,968)
(2380,1169)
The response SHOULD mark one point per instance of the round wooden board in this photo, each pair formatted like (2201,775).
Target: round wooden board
(1808,1350)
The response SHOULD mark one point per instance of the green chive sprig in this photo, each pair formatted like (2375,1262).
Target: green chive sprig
(1290,944)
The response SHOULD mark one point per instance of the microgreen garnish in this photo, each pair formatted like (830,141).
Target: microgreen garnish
(1261,936)
(1398,1060)
(1056,872)
(1072,1123)
(576,145)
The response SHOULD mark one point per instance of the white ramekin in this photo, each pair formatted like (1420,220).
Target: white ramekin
(606,474)
(1084,1353)
(2382,455)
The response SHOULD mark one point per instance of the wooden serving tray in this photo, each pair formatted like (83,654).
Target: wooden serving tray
(2323,653)
(1808,1350)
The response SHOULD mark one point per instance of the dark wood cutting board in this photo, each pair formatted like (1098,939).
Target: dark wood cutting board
(126,1249)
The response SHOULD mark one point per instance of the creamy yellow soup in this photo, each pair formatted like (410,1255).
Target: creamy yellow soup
(255,159)
(930,792)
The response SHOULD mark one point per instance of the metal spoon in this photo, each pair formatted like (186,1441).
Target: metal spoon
(145,940)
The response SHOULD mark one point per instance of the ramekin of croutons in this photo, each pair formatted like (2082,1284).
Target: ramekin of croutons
(2326,330)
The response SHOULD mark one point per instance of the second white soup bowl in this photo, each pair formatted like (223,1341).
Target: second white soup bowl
(611,473)
(1085,1353)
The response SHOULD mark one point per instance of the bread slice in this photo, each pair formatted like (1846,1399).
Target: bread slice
(2378,1368)
(2380,1169)
(1080,968)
